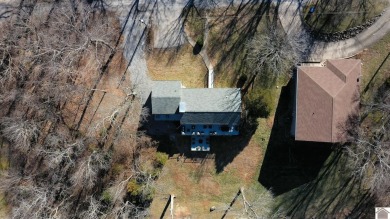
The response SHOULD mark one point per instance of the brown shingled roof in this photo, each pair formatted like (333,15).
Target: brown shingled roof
(326,96)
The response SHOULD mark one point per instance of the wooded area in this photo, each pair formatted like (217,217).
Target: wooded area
(63,160)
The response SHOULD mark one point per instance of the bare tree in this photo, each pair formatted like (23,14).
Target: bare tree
(272,52)
(43,56)
(370,147)
(94,209)
(87,171)
(34,202)
(20,132)
(28,199)
(59,152)
(128,210)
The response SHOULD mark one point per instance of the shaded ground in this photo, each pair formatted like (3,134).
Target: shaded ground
(376,67)
(333,192)
(333,16)
(285,159)
(230,30)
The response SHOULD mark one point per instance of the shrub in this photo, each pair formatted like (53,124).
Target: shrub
(117,169)
(106,197)
(161,159)
(134,188)
(3,164)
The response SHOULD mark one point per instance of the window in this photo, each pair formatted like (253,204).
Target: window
(193,127)
(205,126)
(224,128)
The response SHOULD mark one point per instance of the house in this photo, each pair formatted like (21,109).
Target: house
(326,96)
(202,112)
(381,213)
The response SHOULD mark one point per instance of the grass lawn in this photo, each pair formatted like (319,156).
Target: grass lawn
(376,67)
(181,64)
(333,15)
(230,31)
(213,180)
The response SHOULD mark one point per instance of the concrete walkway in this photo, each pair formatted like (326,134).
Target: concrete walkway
(289,15)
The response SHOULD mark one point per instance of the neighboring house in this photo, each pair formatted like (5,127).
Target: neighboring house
(381,213)
(202,112)
(326,96)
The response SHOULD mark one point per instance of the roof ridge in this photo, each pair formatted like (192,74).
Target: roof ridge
(330,61)
(318,84)
(346,82)
(382,208)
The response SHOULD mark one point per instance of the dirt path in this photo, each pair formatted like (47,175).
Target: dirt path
(289,14)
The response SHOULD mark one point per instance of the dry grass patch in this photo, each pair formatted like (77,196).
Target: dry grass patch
(198,186)
(4,208)
(375,67)
(177,64)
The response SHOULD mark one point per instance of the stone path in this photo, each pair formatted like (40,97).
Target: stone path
(289,14)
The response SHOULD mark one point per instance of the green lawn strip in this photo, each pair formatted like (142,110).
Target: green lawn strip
(376,67)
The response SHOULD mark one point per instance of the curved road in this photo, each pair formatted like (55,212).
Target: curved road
(319,51)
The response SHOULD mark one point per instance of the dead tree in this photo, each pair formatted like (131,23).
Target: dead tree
(20,132)
(86,174)
(273,54)
(369,150)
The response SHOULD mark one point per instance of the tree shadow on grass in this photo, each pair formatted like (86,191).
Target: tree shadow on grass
(335,193)
(310,179)
(238,28)
(227,148)
(287,163)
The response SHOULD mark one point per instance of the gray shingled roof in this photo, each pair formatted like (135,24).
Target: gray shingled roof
(219,118)
(165,97)
(211,99)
